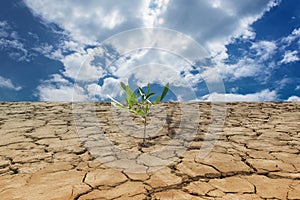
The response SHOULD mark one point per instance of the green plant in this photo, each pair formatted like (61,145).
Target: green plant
(139,103)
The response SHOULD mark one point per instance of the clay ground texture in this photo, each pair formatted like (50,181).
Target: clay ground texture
(46,154)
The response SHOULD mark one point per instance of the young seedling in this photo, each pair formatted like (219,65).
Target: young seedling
(139,106)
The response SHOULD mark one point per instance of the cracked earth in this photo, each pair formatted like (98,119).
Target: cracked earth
(91,151)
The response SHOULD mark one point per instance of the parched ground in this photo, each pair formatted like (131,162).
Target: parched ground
(56,151)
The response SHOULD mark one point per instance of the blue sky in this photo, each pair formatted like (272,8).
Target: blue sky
(73,50)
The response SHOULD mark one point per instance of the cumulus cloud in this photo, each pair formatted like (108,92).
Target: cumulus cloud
(110,86)
(7,83)
(89,22)
(264,95)
(57,88)
(92,21)
(293,99)
(256,63)
(245,67)
(61,93)
(57,78)
(213,24)
(78,66)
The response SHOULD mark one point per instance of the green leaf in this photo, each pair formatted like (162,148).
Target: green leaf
(150,95)
(148,89)
(123,85)
(117,104)
(164,93)
(120,106)
(140,92)
(130,104)
(135,106)
(130,96)
(139,111)
(157,100)
(129,91)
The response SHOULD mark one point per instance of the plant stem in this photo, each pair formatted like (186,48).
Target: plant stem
(145,124)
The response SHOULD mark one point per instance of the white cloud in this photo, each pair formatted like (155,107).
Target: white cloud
(210,74)
(11,43)
(15,49)
(57,78)
(92,21)
(287,48)
(281,84)
(294,99)
(256,62)
(152,11)
(213,24)
(4,29)
(234,89)
(245,67)
(69,45)
(61,93)
(89,21)
(290,56)
(157,73)
(259,59)
(57,88)
(153,66)
(7,83)
(111,86)
(94,90)
(264,95)
(264,49)
(45,49)
(292,37)
(78,67)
